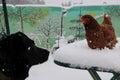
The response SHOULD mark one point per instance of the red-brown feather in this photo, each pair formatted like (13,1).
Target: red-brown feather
(109,32)
(99,36)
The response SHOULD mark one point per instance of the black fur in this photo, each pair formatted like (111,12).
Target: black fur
(17,54)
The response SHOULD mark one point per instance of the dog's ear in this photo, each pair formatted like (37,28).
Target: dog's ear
(26,40)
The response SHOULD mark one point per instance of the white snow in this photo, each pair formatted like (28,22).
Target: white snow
(82,2)
(50,71)
(58,3)
(78,54)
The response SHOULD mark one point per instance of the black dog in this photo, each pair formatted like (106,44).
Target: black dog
(17,54)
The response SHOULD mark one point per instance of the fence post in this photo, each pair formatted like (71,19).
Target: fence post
(6,16)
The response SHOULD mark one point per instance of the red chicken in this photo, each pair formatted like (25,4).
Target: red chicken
(99,36)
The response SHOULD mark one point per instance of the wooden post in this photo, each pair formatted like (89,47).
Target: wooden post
(62,25)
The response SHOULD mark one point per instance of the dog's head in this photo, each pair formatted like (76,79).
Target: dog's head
(18,53)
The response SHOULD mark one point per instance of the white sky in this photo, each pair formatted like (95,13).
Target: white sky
(85,2)
(76,2)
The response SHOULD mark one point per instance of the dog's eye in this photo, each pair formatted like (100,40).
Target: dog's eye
(3,69)
(29,48)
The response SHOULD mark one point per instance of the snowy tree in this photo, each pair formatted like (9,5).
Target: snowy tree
(30,15)
(49,28)
(2,24)
(1,19)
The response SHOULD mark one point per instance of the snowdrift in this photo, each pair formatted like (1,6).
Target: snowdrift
(79,55)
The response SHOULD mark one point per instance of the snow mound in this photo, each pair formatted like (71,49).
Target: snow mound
(78,54)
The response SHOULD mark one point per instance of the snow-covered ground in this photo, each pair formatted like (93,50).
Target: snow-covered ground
(76,53)
(50,71)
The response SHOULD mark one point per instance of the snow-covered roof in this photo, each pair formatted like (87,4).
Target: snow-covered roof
(78,54)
